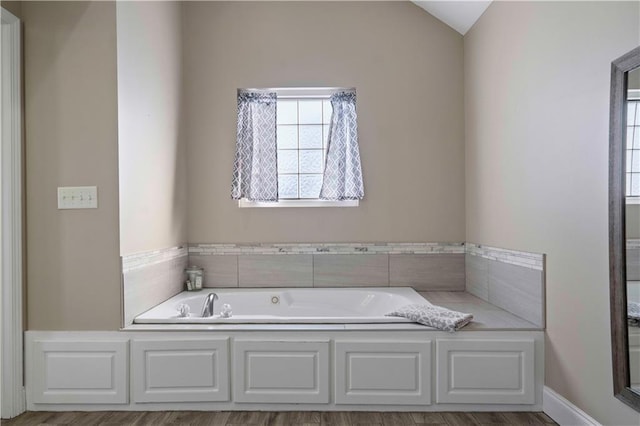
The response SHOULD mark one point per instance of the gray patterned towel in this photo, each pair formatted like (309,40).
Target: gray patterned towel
(433,316)
(633,313)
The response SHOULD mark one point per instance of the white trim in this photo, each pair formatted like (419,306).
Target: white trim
(631,200)
(244,203)
(564,412)
(633,94)
(13,395)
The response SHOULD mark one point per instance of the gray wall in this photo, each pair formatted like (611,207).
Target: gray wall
(71,133)
(537,80)
(152,151)
(14,7)
(407,69)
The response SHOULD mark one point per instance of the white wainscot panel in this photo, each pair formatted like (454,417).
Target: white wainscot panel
(281,371)
(485,372)
(74,372)
(194,370)
(383,373)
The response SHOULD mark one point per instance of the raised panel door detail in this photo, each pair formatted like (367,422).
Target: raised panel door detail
(383,373)
(195,370)
(290,371)
(72,372)
(472,368)
(58,365)
(485,371)
(281,371)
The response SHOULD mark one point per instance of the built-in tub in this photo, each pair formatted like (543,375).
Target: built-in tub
(288,305)
(212,364)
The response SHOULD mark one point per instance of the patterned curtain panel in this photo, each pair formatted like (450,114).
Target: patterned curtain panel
(255,170)
(343,172)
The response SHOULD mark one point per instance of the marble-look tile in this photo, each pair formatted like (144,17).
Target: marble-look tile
(219,270)
(518,290)
(466,307)
(426,272)
(452,297)
(265,270)
(147,286)
(476,276)
(514,257)
(343,270)
(332,248)
(485,315)
(497,320)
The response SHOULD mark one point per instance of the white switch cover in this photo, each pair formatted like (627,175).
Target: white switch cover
(77,197)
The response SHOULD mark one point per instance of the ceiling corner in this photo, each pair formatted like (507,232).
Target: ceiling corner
(459,15)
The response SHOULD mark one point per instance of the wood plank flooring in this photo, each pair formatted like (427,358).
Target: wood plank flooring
(264,418)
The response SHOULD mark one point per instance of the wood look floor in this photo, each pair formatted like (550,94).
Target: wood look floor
(263,418)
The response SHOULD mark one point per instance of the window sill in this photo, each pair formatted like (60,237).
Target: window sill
(297,203)
(632,200)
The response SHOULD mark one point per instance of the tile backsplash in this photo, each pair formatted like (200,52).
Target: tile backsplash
(509,279)
(150,278)
(424,266)
(514,257)
(327,248)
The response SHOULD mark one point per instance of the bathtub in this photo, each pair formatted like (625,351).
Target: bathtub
(288,305)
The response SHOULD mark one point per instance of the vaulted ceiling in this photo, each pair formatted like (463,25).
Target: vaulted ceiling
(459,15)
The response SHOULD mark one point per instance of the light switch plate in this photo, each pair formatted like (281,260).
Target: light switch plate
(77,197)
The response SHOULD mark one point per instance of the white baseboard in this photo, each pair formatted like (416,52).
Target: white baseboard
(564,412)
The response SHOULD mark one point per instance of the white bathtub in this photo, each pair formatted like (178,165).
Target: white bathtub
(288,305)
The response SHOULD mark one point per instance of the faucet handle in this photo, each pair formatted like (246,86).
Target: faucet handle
(183,310)
(226,311)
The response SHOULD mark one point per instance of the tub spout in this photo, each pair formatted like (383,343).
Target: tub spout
(207,308)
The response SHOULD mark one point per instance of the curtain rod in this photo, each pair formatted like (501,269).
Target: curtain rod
(299,89)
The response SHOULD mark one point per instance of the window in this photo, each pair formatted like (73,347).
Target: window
(302,130)
(282,148)
(633,145)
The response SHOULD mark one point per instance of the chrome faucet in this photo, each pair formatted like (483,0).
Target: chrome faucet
(207,308)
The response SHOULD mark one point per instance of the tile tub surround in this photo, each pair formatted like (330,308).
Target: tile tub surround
(423,266)
(326,248)
(150,278)
(486,316)
(428,272)
(514,257)
(509,279)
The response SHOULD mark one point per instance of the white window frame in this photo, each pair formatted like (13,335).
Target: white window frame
(632,95)
(301,93)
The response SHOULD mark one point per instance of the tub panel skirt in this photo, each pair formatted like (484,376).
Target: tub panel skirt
(80,372)
(383,372)
(485,371)
(281,371)
(193,370)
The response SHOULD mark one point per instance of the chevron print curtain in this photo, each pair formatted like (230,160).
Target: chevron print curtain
(255,169)
(343,172)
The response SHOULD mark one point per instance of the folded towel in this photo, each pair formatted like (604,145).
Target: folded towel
(433,316)
(633,313)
